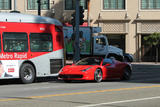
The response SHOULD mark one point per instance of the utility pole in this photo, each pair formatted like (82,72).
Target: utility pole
(39,7)
(15,6)
(88,16)
(76,56)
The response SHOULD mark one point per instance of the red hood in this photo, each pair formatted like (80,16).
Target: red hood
(74,68)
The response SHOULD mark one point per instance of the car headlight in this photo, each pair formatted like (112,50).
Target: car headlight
(61,70)
(84,70)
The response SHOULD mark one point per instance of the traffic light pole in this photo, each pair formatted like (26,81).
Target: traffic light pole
(76,56)
(88,16)
(39,7)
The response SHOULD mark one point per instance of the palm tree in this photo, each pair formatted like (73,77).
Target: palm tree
(153,40)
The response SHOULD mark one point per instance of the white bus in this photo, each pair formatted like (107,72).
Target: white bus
(30,46)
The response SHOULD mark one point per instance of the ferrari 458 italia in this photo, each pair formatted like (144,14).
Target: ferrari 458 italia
(97,69)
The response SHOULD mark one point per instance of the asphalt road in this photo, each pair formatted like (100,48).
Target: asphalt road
(143,90)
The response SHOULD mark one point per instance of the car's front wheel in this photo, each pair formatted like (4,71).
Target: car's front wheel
(98,75)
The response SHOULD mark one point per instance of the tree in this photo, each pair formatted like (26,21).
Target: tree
(153,40)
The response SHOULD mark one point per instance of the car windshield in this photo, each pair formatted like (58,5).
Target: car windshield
(89,61)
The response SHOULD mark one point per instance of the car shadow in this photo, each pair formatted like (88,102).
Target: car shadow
(145,73)
(9,81)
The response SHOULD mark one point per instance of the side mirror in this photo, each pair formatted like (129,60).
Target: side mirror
(106,64)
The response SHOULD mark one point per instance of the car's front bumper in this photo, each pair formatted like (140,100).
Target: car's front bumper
(75,77)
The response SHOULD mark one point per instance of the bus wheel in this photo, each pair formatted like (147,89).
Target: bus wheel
(27,73)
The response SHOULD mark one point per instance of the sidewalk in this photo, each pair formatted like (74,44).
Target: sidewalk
(69,62)
(146,63)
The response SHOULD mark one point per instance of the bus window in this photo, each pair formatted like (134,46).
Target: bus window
(15,42)
(41,42)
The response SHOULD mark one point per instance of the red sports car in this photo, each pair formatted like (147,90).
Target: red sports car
(97,69)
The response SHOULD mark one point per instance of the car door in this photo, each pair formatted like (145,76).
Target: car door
(119,67)
(111,68)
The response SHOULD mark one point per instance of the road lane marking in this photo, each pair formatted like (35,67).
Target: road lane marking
(79,93)
(118,102)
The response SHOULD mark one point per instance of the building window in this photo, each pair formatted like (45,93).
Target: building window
(150,4)
(5,4)
(70,4)
(33,5)
(117,41)
(113,4)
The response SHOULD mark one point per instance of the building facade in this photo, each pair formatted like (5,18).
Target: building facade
(124,22)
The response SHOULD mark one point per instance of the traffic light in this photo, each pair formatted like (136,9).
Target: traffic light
(73,19)
(81,15)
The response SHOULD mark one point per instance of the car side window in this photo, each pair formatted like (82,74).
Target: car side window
(107,61)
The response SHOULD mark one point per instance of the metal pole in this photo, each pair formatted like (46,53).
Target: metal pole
(15,6)
(76,43)
(39,7)
(88,3)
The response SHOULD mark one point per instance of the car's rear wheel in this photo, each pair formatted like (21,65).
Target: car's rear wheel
(126,74)
(27,73)
(98,75)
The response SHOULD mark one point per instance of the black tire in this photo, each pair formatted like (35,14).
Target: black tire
(27,73)
(127,74)
(98,75)
(117,57)
(126,59)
